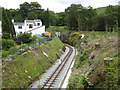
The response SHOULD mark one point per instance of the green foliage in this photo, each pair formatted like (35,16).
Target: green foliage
(54,29)
(60,19)
(34,38)
(47,18)
(101,23)
(7,25)
(87,18)
(76,81)
(81,58)
(25,38)
(100,11)
(18,74)
(112,72)
(5,35)
(7,43)
(80,18)
(5,53)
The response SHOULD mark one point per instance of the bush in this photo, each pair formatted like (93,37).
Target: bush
(5,53)
(7,43)
(25,38)
(5,35)
(33,38)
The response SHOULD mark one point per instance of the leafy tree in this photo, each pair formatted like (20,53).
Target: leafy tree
(79,17)
(47,18)
(71,19)
(101,23)
(60,19)
(24,38)
(52,18)
(7,25)
(111,17)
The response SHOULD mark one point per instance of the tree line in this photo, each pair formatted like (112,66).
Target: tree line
(75,17)
(82,18)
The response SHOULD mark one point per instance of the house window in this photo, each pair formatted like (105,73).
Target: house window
(38,24)
(20,32)
(19,27)
(30,26)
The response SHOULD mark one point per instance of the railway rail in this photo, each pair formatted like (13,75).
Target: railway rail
(52,79)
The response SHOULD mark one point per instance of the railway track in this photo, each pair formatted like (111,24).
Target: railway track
(49,83)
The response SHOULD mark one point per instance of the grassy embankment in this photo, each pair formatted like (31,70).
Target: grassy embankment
(26,68)
(90,68)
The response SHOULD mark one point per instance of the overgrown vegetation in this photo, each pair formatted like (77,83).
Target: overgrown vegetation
(90,64)
(21,39)
(25,38)
(111,80)
(7,44)
(26,68)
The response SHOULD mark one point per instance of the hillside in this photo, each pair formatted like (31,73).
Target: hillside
(101,10)
(26,68)
(91,69)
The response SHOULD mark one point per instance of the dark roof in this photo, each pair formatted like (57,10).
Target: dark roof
(30,21)
(18,23)
(37,20)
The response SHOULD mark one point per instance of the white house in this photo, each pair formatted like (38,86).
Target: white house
(35,26)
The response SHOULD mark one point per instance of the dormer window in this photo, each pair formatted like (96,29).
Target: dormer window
(30,26)
(38,24)
(19,27)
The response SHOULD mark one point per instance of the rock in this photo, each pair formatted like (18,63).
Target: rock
(97,45)
(108,59)
(45,54)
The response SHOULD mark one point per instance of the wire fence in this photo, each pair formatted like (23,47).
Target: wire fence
(24,48)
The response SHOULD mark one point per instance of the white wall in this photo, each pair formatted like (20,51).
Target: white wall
(19,30)
(39,30)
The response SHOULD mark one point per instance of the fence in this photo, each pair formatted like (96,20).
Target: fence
(24,48)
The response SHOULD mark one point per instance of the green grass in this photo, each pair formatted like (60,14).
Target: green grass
(25,68)
(101,10)
(53,29)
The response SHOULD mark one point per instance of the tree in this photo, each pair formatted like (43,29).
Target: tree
(101,23)
(111,17)
(7,25)
(52,18)
(47,18)
(60,19)
(80,18)
(71,19)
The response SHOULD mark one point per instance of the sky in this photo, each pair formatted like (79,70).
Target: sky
(58,5)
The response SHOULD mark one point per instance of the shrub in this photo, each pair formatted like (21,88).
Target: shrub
(25,38)
(33,38)
(5,35)
(5,53)
(7,43)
